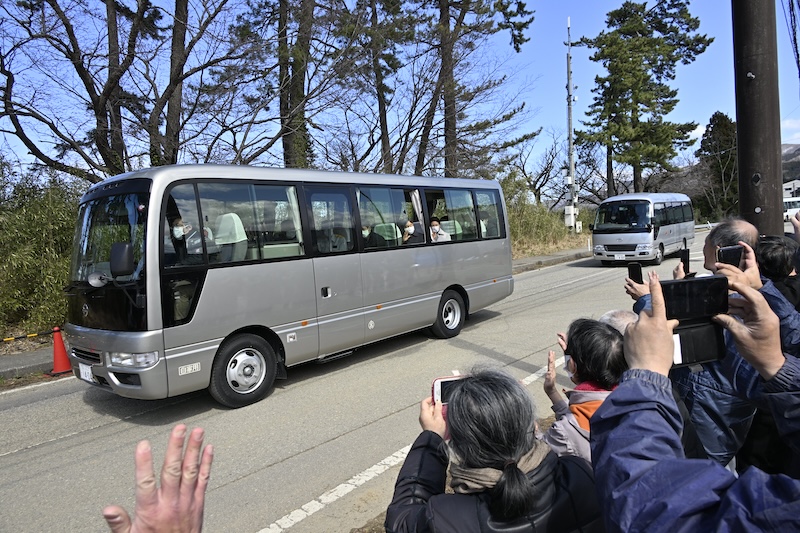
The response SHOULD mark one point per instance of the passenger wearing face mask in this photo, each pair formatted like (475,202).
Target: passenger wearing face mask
(371,239)
(437,233)
(177,234)
(411,235)
(594,361)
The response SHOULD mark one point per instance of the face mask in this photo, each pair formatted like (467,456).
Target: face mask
(435,229)
(177,232)
(365,233)
(410,230)
(566,366)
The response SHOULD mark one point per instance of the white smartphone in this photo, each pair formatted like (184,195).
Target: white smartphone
(442,386)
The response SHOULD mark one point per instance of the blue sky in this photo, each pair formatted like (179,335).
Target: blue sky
(705,86)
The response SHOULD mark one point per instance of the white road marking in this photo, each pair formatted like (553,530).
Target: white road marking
(298,515)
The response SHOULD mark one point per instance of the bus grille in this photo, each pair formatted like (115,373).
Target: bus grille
(620,247)
(91,357)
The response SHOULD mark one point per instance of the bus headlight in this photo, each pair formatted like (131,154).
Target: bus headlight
(133,360)
(599,248)
(644,247)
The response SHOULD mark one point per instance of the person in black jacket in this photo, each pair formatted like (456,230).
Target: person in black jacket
(503,478)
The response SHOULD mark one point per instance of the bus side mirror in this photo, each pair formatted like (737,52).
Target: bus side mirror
(591,227)
(121,259)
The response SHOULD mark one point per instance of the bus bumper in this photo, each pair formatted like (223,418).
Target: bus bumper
(89,353)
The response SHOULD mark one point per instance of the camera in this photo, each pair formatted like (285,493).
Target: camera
(440,391)
(693,301)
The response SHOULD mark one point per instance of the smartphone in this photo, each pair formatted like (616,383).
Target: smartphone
(731,255)
(635,272)
(685,260)
(695,298)
(440,391)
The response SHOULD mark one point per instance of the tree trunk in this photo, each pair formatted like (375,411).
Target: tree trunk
(377,49)
(611,189)
(296,130)
(448,92)
(175,103)
(283,75)
(114,131)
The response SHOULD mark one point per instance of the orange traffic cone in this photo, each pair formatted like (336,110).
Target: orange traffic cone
(61,363)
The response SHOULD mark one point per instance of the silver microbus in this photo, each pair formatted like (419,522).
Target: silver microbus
(642,227)
(221,277)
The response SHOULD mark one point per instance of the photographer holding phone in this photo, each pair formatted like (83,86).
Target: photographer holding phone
(503,478)
(719,412)
(644,482)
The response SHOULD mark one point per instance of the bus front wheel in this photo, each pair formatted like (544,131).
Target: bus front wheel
(451,315)
(244,371)
(659,255)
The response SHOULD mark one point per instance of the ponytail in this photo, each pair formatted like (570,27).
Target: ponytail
(513,495)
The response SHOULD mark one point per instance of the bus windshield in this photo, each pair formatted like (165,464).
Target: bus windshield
(623,217)
(103,222)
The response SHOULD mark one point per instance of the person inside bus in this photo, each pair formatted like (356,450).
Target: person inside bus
(177,234)
(371,239)
(288,232)
(437,233)
(594,362)
(411,235)
(178,504)
(502,477)
(488,225)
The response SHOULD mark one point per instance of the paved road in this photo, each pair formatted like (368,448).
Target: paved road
(320,454)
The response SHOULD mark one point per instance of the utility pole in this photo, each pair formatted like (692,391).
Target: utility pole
(758,134)
(571,209)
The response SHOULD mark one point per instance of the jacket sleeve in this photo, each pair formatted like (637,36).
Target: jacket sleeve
(422,476)
(788,315)
(645,483)
(558,440)
(782,393)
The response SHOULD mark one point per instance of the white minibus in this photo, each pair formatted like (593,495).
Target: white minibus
(642,227)
(790,207)
(221,277)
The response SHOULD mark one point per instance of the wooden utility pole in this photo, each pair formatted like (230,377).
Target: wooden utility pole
(758,132)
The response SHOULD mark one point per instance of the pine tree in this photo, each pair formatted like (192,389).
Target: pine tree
(640,52)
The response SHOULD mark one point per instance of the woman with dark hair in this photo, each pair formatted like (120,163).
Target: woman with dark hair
(502,477)
(594,361)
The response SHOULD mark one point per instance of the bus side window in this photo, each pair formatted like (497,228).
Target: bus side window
(231,212)
(280,227)
(183,234)
(488,203)
(332,216)
(377,207)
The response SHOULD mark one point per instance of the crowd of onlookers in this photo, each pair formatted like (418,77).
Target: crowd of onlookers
(638,444)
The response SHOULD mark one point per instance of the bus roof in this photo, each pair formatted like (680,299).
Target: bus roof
(163,175)
(649,196)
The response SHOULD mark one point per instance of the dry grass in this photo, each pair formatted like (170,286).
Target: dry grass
(530,248)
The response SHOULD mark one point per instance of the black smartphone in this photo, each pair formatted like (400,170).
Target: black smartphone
(685,260)
(731,255)
(695,298)
(693,301)
(635,272)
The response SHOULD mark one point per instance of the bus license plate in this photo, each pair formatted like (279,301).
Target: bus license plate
(619,257)
(86,373)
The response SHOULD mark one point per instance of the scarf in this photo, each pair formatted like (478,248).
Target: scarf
(467,480)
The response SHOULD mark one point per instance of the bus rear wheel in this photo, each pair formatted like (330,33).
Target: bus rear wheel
(451,315)
(244,371)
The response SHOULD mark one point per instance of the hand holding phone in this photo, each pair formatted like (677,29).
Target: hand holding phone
(440,392)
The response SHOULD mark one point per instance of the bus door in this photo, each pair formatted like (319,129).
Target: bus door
(337,268)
